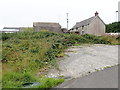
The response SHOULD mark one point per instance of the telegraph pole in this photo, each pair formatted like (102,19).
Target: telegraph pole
(67,21)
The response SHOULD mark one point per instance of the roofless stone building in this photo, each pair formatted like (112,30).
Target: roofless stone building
(52,27)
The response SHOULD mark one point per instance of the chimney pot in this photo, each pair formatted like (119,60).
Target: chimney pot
(96,13)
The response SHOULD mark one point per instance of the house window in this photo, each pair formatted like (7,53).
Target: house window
(82,32)
(82,27)
(76,28)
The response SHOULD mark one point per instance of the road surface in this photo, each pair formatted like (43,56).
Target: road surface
(107,78)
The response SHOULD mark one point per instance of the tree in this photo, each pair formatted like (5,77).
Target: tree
(113,27)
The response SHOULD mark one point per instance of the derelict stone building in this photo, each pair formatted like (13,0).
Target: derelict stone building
(52,27)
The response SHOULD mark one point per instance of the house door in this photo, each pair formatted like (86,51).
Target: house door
(82,32)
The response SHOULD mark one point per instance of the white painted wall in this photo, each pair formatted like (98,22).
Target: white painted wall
(119,11)
(97,27)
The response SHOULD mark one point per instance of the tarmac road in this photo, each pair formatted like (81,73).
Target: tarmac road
(107,78)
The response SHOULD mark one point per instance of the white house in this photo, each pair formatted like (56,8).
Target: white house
(93,25)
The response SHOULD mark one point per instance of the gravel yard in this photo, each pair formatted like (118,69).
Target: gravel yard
(82,60)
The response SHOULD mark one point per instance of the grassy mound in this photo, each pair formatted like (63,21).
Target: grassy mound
(25,54)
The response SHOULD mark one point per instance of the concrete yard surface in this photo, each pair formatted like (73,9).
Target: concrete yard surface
(84,60)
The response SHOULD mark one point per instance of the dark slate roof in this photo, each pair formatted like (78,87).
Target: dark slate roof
(84,22)
(46,24)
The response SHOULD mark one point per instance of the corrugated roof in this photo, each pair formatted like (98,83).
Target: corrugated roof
(84,22)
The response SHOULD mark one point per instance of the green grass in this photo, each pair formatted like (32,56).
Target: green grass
(25,54)
(15,80)
(49,82)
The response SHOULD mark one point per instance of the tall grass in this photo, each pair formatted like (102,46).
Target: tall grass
(26,53)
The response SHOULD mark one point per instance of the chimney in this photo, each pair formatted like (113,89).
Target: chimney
(96,13)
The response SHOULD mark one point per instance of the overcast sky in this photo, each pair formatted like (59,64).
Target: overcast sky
(21,13)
